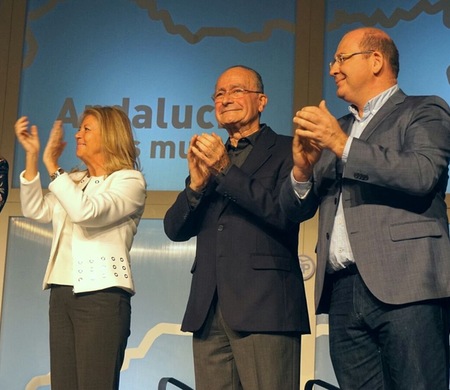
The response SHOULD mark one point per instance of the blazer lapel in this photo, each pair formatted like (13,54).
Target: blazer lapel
(257,157)
(261,151)
(387,109)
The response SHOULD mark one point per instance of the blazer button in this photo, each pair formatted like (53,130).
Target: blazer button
(220,228)
(361,176)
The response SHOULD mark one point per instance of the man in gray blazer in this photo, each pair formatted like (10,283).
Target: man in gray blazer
(247,306)
(379,177)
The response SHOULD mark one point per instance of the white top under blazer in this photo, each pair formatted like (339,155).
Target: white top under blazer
(102,213)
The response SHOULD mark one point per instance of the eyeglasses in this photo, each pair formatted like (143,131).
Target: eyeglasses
(340,58)
(235,93)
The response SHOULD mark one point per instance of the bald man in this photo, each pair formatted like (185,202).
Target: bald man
(378,176)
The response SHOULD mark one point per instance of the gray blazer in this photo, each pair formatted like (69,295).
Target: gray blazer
(393,192)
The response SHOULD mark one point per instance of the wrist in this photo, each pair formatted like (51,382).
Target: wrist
(197,188)
(301,176)
(58,172)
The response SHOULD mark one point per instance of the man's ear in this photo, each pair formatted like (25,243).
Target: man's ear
(377,62)
(263,99)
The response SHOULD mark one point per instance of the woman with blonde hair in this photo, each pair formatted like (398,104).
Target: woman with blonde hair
(95,214)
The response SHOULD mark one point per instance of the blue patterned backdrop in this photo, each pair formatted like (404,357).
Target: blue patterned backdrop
(159,61)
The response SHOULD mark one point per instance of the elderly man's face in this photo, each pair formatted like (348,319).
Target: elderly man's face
(240,102)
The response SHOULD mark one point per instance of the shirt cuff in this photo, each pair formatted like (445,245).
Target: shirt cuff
(25,181)
(348,144)
(301,189)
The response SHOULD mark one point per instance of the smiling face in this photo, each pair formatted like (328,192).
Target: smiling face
(89,144)
(369,65)
(354,76)
(239,114)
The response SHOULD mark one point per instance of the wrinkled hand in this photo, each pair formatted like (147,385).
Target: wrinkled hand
(198,171)
(321,128)
(55,147)
(29,139)
(210,149)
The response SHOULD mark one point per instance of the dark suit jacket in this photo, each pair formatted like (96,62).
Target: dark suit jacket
(393,193)
(3,182)
(246,247)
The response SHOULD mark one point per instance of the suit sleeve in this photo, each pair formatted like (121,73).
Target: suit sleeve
(298,210)
(33,202)
(182,219)
(412,159)
(251,195)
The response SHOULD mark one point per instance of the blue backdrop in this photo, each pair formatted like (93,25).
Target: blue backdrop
(159,60)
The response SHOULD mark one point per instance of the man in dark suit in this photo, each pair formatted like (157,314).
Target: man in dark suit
(379,176)
(247,306)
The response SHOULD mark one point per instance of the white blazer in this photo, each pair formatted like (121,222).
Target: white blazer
(104,214)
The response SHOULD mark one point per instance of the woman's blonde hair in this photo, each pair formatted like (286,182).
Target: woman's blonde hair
(117,138)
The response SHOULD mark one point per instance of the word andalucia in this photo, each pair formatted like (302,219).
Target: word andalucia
(143,118)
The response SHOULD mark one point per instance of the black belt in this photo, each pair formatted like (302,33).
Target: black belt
(351,269)
(109,289)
